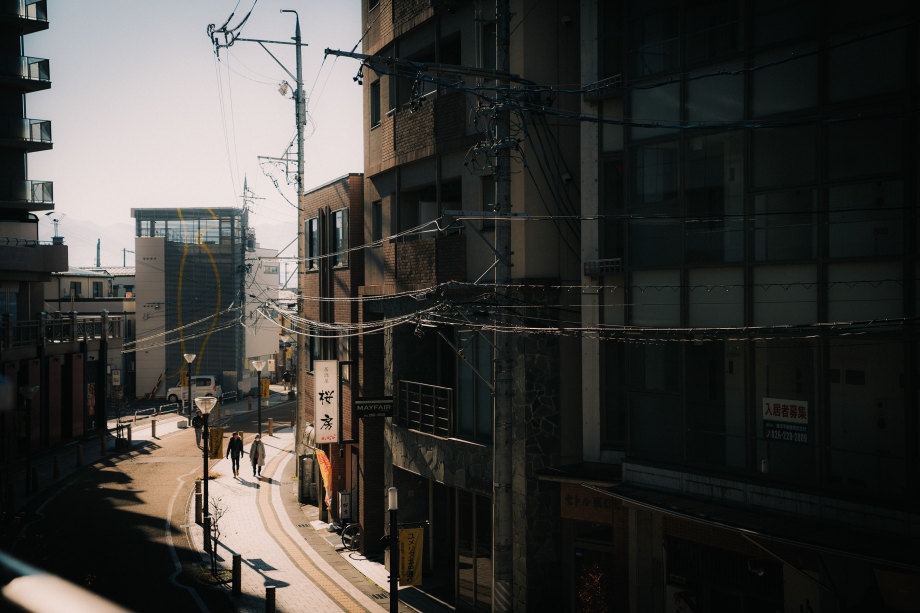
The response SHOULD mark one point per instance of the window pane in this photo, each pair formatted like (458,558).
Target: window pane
(781,86)
(781,20)
(783,157)
(716,99)
(611,208)
(716,297)
(340,238)
(611,133)
(866,219)
(654,427)
(713,29)
(859,292)
(868,415)
(784,228)
(861,148)
(715,199)
(656,170)
(655,296)
(784,375)
(654,243)
(655,106)
(715,429)
(854,70)
(785,295)
(655,46)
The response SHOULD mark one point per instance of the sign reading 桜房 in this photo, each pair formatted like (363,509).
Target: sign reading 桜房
(785,420)
(326,400)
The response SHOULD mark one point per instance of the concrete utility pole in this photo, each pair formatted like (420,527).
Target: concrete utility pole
(502,519)
(230,36)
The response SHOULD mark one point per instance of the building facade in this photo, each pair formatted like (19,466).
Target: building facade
(446,334)
(190,292)
(51,369)
(750,195)
(324,334)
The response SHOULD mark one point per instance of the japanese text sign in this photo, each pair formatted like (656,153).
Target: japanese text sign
(326,400)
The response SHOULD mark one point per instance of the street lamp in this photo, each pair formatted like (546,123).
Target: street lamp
(259,365)
(205,404)
(189,357)
(394,551)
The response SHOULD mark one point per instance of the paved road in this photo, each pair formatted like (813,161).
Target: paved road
(124,527)
(118,528)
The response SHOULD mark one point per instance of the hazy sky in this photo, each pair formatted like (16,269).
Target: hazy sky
(144,115)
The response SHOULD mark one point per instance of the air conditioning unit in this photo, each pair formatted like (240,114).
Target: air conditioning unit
(599,268)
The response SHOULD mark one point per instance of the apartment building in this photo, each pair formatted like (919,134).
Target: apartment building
(750,260)
(323,332)
(50,363)
(433,318)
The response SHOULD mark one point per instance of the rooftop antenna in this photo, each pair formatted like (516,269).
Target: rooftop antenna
(55,221)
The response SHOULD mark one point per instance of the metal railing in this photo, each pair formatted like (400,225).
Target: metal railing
(24,190)
(58,328)
(27,9)
(28,589)
(426,408)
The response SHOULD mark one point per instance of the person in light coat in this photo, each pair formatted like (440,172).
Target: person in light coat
(257,456)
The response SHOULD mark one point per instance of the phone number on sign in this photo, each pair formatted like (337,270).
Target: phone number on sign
(785,432)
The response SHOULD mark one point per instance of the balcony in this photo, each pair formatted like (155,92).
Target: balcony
(28,15)
(28,260)
(426,408)
(26,195)
(27,74)
(57,328)
(26,134)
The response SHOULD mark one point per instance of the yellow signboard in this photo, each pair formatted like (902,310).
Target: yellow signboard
(266,390)
(410,555)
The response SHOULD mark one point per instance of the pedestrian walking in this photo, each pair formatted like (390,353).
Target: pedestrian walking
(287,379)
(198,424)
(235,452)
(257,456)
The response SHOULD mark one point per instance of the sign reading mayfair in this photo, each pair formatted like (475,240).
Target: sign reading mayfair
(374,407)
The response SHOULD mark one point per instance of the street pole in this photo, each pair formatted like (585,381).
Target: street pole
(205,403)
(189,358)
(259,365)
(502,533)
(392,501)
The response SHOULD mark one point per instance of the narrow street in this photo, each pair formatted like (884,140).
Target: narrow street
(118,527)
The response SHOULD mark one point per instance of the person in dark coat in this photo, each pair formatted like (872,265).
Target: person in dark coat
(198,424)
(235,452)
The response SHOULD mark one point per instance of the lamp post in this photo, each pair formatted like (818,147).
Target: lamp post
(189,357)
(205,403)
(394,551)
(259,365)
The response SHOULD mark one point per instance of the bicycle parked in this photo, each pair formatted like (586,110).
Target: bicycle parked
(351,537)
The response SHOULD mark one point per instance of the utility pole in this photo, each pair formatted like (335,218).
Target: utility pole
(502,499)
(230,36)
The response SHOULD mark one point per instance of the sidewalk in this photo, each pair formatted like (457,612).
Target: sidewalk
(281,543)
(254,522)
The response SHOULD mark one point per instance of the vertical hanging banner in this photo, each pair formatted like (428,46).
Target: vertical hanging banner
(325,469)
(266,390)
(326,400)
(410,555)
